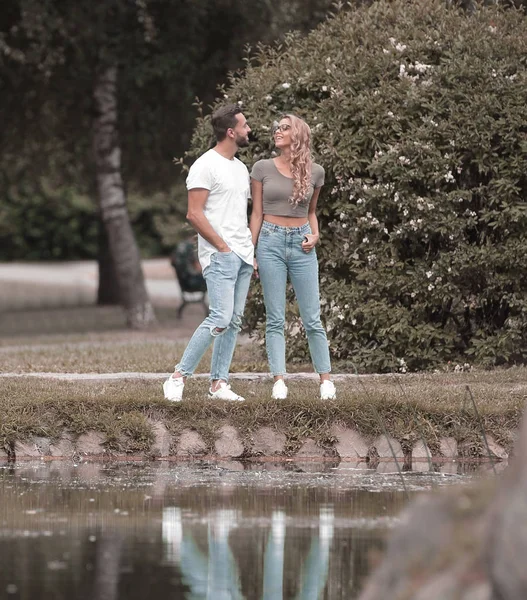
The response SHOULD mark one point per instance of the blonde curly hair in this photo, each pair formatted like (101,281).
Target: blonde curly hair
(301,159)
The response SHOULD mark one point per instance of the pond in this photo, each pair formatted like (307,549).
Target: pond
(215,531)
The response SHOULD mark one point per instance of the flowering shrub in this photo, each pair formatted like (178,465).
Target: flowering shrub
(419,117)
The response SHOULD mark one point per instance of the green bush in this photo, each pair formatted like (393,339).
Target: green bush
(39,221)
(42,221)
(419,117)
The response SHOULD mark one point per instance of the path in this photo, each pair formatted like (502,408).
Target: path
(29,284)
(160,376)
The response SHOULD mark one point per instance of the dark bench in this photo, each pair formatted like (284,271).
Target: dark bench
(191,281)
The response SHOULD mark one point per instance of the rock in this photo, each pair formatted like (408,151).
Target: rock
(495,448)
(310,449)
(228,444)
(350,443)
(382,445)
(33,447)
(421,458)
(507,539)
(436,553)
(190,443)
(91,444)
(63,447)
(448,447)
(162,441)
(268,442)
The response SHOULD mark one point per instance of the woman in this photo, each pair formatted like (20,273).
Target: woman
(284,229)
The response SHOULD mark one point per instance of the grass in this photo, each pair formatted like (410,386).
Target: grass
(122,409)
(85,339)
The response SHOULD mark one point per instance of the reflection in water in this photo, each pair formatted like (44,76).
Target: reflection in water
(216,576)
(128,531)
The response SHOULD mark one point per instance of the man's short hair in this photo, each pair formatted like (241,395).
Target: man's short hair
(224,118)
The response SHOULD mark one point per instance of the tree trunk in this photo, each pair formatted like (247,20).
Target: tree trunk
(108,293)
(112,201)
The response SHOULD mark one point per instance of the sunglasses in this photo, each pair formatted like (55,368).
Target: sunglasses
(283,127)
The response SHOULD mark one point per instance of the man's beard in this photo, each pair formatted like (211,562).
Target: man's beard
(242,142)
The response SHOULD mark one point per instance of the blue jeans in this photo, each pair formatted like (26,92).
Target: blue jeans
(279,254)
(228,278)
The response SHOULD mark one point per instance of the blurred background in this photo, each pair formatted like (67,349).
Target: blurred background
(97,100)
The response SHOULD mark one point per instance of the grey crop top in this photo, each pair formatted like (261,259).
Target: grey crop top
(277,189)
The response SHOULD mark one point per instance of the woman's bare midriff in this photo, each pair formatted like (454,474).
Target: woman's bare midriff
(286,221)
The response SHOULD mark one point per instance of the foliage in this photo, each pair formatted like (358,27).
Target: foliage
(40,220)
(419,118)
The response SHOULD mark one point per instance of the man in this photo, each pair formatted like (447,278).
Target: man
(218,190)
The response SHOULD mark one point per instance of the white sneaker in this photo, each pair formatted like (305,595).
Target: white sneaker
(224,392)
(327,390)
(173,388)
(279,390)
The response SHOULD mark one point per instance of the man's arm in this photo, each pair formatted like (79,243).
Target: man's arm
(197,197)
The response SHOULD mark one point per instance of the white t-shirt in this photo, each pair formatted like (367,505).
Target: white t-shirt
(226,206)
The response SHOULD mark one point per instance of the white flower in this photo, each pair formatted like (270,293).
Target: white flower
(400,47)
(404,160)
(324,88)
(342,216)
(328,71)
(421,67)
(430,287)
(402,70)
(492,29)
(268,97)
(429,274)
(354,321)
(385,51)
(286,85)
(365,240)
(449,177)
(390,113)
(240,102)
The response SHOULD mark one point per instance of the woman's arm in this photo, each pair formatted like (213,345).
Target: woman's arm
(313,237)
(257,212)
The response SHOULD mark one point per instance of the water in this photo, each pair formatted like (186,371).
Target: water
(108,531)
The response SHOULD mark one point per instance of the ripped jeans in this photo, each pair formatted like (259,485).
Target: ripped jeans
(228,278)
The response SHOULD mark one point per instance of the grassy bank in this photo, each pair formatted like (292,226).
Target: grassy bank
(432,406)
(94,340)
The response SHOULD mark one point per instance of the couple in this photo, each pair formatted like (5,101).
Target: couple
(284,230)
